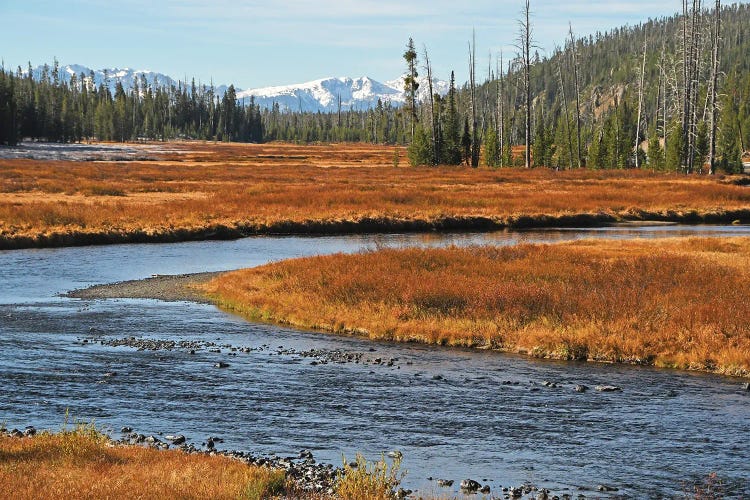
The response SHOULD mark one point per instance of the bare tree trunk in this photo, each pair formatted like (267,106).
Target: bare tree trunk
(526,56)
(686,50)
(694,77)
(501,110)
(472,80)
(661,103)
(565,110)
(714,87)
(578,94)
(433,127)
(640,101)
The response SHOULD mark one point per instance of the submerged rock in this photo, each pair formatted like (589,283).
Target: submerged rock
(470,486)
(608,388)
(605,488)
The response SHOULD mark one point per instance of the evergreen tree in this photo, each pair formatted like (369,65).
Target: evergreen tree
(491,149)
(452,138)
(411,85)
(466,143)
(656,160)
(674,147)
(8,110)
(420,150)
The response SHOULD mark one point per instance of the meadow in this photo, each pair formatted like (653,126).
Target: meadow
(192,190)
(678,303)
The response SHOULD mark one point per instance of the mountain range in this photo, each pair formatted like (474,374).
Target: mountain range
(324,95)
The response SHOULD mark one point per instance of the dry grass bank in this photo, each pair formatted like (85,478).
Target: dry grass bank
(674,303)
(199,191)
(84,464)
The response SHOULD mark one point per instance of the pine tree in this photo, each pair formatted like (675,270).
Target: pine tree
(466,143)
(420,150)
(491,148)
(656,160)
(411,85)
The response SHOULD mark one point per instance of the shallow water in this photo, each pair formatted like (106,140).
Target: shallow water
(489,417)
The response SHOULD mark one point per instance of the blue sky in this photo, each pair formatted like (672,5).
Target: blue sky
(259,43)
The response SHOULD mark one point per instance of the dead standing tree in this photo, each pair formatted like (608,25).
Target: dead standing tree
(472,85)
(574,53)
(714,86)
(433,118)
(640,100)
(525,38)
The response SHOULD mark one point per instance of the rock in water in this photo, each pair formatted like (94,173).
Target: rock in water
(445,483)
(470,486)
(608,388)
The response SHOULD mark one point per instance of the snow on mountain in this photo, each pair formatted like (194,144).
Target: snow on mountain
(316,96)
(112,76)
(323,95)
(126,76)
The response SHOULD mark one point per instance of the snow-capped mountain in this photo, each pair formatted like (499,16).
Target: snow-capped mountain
(323,95)
(316,96)
(112,76)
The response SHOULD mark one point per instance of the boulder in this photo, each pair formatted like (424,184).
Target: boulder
(470,486)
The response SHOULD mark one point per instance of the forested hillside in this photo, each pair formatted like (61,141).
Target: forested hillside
(603,88)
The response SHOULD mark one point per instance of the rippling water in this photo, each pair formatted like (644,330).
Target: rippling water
(453,413)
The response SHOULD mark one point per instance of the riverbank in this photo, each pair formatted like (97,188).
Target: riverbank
(677,303)
(200,191)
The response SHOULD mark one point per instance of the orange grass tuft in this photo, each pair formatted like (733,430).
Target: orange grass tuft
(681,303)
(196,190)
(83,465)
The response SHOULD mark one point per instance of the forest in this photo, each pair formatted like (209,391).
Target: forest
(667,94)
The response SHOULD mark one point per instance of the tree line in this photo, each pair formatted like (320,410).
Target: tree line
(51,108)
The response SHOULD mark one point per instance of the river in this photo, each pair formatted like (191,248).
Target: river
(453,413)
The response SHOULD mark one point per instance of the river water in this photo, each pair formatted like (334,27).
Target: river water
(453,413)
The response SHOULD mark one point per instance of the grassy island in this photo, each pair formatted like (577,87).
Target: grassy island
(679,303)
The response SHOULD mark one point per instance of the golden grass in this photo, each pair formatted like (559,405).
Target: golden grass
(680,303)
(369,480)
(194,190)
(85,465)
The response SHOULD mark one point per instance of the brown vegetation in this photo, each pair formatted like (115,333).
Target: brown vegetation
(84,464)
(200,191)
(674,303)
